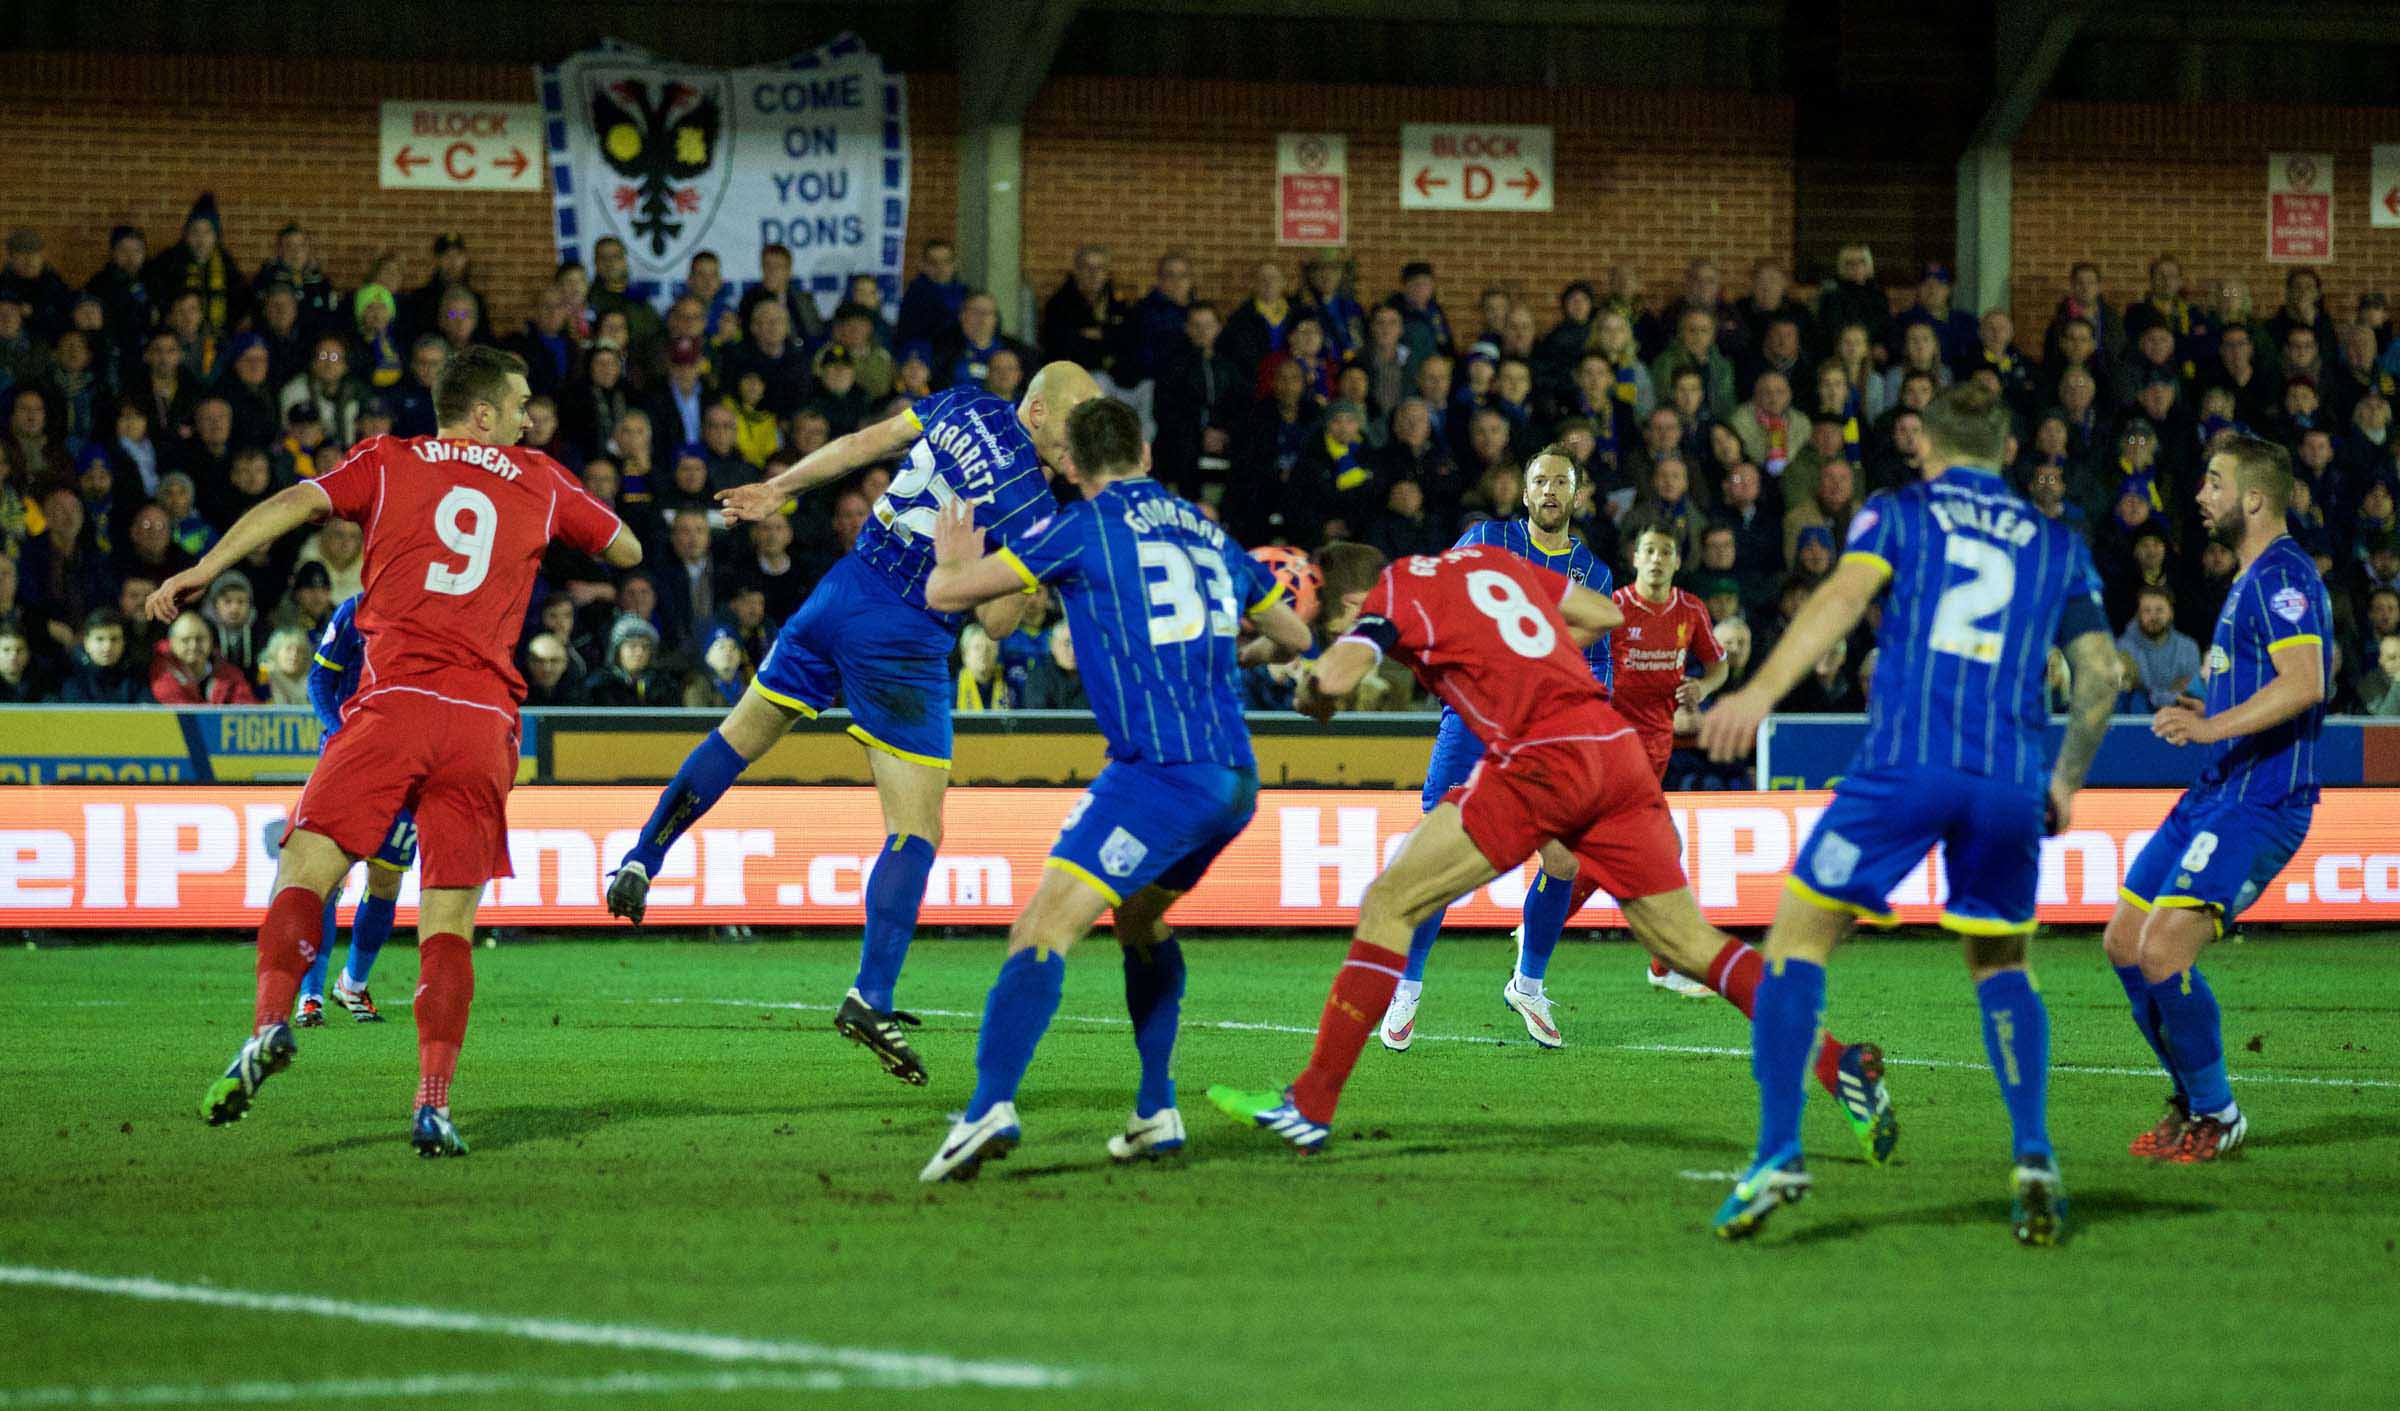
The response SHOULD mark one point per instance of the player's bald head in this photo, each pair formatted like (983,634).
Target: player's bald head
(1050,399)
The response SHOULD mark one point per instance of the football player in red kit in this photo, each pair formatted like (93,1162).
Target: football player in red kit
(456,525)
(1494,637)
(1664,627)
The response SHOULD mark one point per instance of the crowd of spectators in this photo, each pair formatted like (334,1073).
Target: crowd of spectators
(175,389)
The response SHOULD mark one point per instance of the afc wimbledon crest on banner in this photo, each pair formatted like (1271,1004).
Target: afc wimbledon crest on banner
(810,154)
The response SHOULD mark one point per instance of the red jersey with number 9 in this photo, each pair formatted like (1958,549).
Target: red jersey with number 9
(1482,629)
(455,534)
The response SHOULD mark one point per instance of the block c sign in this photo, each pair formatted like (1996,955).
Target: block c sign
(460,147)
(1474,167)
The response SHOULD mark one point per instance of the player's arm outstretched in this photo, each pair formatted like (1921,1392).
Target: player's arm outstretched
(267,521)
(831,461)
(2298,684)
(1729,731)
(1590,616)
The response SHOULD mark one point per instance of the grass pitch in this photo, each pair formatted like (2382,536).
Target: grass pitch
(686,1191)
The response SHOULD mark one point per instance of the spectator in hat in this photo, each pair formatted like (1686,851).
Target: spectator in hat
(1425,326)
(1339,461)
(632,675)
(421,307)
(1955,332)
(189,529)
(294,457)
(29,276)
(1085,321)
(124,298)
(839,398)
(380,365)
(295,266)
(231,607)
(929,305)
(677,405)
(198,264)
(1159,318)
(854,334)
(308,603)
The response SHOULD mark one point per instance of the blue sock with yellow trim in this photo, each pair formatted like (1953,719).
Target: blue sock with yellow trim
(1420,945)
(707,772)
(1154,999)
(1015,1015)
(2145,1018)
(2016,1035)
(313,982)
(2194,1031)
(895,889)
(1783,1042)
(370,927)
(1545,918)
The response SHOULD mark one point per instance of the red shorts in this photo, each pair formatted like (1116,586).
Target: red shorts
(452,765)
(1599,797)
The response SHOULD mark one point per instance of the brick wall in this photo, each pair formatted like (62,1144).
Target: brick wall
(1643,178)
(1647,179)
(92,141)
(2119,183)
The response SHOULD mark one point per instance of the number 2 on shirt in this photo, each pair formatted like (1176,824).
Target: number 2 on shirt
(1964,605)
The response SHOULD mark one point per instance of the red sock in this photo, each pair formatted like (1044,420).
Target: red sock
(1734,974)
(445,991)
(1362,990)
(1657,966)
(287,943)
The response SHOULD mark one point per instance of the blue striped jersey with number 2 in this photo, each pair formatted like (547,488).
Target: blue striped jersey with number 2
(1979,579)
(971,448)
(1154,595)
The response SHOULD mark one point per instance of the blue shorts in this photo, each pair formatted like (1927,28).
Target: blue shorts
(1456,752)
(1143,825)
(2215,852)
(857,640)
(399,850)
(1883,823)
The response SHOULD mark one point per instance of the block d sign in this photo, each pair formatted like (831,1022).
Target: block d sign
(1473,167)
(460,147)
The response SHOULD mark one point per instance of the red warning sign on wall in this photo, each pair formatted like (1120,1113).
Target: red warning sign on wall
(2300,207)
(1312,188)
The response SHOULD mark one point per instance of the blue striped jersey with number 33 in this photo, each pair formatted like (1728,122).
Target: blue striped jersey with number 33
(1982,584)
(1154,594)
(971,447)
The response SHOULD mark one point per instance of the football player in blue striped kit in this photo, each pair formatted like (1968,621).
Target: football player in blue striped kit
(1977,585)
(1155,595)
(1545,537)
(867,636)
(331,680)
(2266,678)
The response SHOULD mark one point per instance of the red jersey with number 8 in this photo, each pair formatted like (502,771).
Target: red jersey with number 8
(1481,628)
(455,535)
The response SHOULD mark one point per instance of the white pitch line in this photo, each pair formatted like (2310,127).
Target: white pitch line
(1704,1050)
(421,1386)
(1711,1177)
(901,1369)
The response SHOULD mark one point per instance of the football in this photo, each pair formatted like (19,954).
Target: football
(1297,573)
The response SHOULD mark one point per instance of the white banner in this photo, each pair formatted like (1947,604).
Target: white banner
(810,154)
